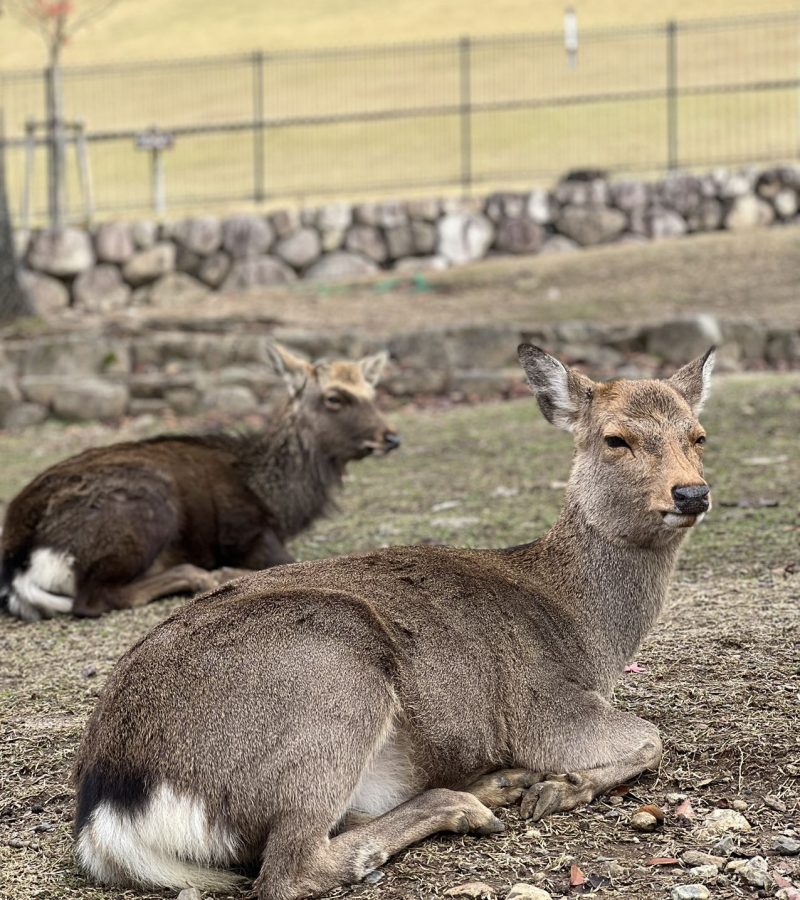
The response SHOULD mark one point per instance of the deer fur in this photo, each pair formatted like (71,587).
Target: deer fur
(310,724)
(119,526)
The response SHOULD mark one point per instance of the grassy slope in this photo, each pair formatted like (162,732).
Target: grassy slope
(148,29)
(489,475)
(305,162)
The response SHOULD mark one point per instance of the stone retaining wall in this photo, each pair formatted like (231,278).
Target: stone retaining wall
(107,375)
(122,263)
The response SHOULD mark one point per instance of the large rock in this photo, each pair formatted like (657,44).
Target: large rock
(114,242)
(63,253)
(176,288)
(300,248)
(368,241)
(257,272)
(24,416)
(48,295)
(540,207)
(232,398)
(148,265)
(706,217)
(145,233)
(90,398)
(101,289)
(722,821)
(423,235)
(201,235)
(334,217)
(78,354)
(427,209)
(583,191)
(630,195)
(214,269)
(505,205)
(557,243)
(246,236)
(464,237)
(678,340)
(785,203)
(400,241)
(665,223)
(284,222)
(681,191)
(22,240)
(748,211)
(588,225)
(518,236)
(388,214)
(338,265)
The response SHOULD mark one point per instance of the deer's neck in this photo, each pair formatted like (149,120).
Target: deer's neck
(613,591)
(289,473)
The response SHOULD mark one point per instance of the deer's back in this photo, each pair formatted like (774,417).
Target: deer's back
(176,492)
(449,633)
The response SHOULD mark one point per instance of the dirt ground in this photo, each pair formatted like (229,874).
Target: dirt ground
(720,673)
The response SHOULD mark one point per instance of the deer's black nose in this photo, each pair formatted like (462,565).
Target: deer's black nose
(391,441)
(691,499)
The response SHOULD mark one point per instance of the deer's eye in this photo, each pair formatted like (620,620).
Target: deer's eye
(333,402)
(616,442)
(701,440)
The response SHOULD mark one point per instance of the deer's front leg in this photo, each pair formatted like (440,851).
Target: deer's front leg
(606,748)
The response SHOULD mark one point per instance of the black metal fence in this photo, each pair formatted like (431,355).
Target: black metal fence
(412,118)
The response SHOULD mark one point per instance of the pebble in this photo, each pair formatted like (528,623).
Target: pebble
(753,871)
(374,877)
(704,873)
(524,891)
(739,805)
(720,821)
(775,803)
(643,821)
(786,846)
(675,799)
(474,889)
(698,858)
(690,892)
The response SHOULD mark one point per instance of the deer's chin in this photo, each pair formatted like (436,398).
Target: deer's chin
(682,520)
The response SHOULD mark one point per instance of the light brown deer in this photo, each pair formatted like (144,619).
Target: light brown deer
(313,723)
(120,526)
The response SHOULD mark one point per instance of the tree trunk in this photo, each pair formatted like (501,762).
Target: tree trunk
(14,302)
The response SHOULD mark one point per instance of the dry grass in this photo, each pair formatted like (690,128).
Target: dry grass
(721,679)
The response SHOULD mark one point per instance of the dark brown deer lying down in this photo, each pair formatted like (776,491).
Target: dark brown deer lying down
(119,526)
(313,722)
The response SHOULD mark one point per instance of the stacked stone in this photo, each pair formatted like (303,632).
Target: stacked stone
(106,374)
(123,263)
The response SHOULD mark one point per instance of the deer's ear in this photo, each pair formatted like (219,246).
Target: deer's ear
(560,391)
(372,367)
(295,372)
(693,381)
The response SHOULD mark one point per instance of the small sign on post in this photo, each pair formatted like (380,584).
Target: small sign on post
(571,36)
(156,141)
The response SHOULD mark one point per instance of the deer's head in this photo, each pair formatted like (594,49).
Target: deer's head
(336,399)
(638,468)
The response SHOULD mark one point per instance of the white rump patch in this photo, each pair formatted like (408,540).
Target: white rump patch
(388,780)
(45,588)
(169,844)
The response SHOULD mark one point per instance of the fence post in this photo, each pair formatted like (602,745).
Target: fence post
(55,146)
(672,95)
(465,112)
(258,126)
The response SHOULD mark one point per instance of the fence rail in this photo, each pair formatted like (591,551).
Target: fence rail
(270,127)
